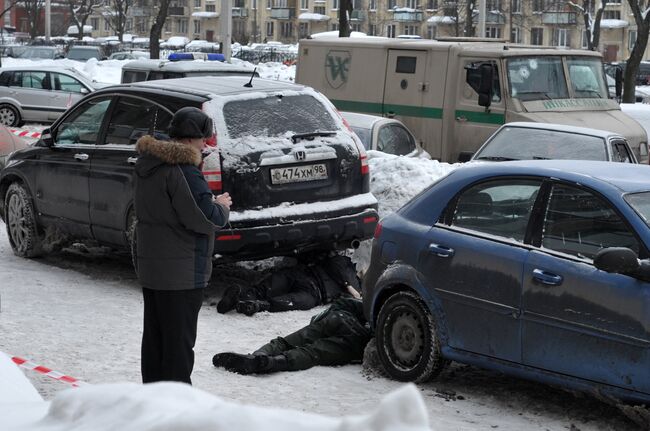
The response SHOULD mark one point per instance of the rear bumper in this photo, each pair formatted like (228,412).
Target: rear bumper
(264,240)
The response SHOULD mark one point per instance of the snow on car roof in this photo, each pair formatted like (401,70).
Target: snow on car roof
(563,128)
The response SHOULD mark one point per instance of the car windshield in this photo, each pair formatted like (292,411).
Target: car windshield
(364,135)
(640,202)
(276,116)
(522,143)
(83,54)
(543,78)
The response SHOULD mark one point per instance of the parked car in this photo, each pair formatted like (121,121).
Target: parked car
(383,134)
(526,141)
(86,52)
(539,269)
(642,74)
(8,144)
(129,55)
(149,70)
(39,93)
(42,53)
(297,176)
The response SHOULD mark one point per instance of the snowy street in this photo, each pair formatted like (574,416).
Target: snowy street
(81,315)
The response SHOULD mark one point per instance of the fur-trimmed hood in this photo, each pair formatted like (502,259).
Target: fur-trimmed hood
(163,152)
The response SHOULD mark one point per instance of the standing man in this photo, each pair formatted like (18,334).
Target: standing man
(177,217)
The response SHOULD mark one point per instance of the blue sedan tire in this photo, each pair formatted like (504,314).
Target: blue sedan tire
(408,343)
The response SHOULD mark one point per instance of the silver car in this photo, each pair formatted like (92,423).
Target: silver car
(38,93)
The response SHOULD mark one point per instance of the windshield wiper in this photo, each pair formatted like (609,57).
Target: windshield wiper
(311,135)
(540,158)
(496,158)
(541,93)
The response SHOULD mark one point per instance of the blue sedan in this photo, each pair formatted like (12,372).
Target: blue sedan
(539,269)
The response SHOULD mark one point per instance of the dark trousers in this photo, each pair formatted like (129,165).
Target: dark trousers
(337,338)
(285,291)
(170,318)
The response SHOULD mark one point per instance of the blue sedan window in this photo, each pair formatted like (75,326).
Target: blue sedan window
(579,223)
(500,208)
(641,204)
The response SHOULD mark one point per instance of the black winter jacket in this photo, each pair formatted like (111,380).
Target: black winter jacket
(176,217)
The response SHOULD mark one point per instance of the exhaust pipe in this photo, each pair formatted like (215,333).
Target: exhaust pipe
(355,243)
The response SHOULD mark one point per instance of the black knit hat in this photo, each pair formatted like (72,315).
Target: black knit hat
(190,122)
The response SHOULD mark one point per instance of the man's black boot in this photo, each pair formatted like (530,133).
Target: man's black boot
(242,364)
(253,306)
(229,299)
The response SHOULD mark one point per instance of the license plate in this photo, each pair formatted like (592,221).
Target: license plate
(296,174)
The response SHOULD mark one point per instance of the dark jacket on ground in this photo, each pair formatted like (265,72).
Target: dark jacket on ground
(176,217)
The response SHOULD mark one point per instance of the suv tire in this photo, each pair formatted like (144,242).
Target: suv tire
(22,228)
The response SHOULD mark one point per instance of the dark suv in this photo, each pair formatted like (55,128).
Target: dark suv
(297,176)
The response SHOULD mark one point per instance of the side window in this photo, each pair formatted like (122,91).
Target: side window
(473,79)
(66,83)
(129,76)
(580,223)
(500,208)
(36,80)
(133,118)
(393,139)
(620,152)
(5,78)
(83,126)
(16,79)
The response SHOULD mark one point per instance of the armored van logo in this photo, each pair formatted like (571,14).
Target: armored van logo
(337,66)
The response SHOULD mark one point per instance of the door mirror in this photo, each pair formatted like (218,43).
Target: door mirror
(480,76)
(465,156)
(46,138)
(618,77)
(84,90)
(621,260)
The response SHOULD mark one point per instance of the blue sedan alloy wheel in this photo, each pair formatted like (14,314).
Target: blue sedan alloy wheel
(407,340)
(22,228)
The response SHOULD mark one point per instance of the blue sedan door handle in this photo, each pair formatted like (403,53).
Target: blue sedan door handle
(547,277)
(441,250)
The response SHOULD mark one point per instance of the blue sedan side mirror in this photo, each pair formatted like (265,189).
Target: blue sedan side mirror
(621,260)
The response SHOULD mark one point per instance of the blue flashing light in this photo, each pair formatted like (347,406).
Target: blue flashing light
(180,56)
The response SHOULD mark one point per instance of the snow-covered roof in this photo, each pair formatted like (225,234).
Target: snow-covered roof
(404,9)
(74,30)
(613,23)
(335,33)
(175,41)
(205,14)
(307,16)
(437,19)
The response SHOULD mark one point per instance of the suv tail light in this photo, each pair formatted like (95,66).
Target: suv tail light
(365,169)
(378,228)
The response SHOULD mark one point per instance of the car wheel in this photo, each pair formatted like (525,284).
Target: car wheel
(9,116)
(407,339)
(22,228)
(132,240)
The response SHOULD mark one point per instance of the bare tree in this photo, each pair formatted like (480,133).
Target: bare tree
(115,12)
(592,23)
(33,11)
(642,19)
(345,12)
(469,18)
(80,11)
(156,28)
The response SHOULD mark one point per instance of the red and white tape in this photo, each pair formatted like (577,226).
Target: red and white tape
(25,133)
(24,363)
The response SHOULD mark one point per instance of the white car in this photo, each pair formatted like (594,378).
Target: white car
(384,134)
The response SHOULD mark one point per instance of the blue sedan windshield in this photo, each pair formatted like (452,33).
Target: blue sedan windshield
(641,204)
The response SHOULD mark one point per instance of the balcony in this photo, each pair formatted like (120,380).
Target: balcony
(409,15)
(559,18)
(495,18)
(358,15)
(283,13)
(176,11)
(239,12)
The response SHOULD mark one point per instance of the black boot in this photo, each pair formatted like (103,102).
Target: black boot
(251,307)
(229,299)
(238,363)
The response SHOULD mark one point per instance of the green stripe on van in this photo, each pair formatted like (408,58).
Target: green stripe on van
(481,117)
(349,105)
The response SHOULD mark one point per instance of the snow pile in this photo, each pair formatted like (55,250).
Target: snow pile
(177,406)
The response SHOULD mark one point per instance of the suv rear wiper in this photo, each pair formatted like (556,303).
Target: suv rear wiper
(496,158)
(311,135)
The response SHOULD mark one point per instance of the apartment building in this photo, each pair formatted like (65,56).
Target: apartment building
(534,22)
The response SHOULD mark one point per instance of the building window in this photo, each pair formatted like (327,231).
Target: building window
(253,5)
(335,4)
(411,4)
(372,4)
(432,4)
(585,41)
(561,36)
(213,8)
(287,29)
(390,30)
(197,4)
(431,31)
(355,26)
(492,5)
(269,29)
(372,30)
(515,35)
(515,6)
(493,32)
(537,36)
(168,26)
(392,4)
(538,5)
(94,23)
(197,26)
(107,24)
(181,26)
(612,14)
(303,29)
(142,26)
(268,4)
(304,4)
(411,30)
(631,39)
(335,26)
(320,9)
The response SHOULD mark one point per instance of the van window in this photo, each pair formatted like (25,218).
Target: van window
(586,76)
(406,64)
(129,76)
(537,78)
(473,78)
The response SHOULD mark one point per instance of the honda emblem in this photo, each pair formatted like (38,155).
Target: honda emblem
(300,155)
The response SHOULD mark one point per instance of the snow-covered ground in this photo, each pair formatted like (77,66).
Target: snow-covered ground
(81,314)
